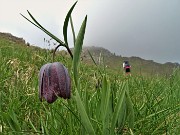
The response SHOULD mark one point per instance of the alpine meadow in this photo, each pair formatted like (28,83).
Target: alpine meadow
(94,100)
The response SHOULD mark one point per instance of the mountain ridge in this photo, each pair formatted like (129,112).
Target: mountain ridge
(111,60)
(139,65)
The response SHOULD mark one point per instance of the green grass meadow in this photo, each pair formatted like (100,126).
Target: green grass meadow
(102,102)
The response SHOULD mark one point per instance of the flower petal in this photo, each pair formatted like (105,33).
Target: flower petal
(64,80)
(48,90)
(54,81)
(41,83)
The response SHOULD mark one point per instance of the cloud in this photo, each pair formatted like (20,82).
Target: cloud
(148,29)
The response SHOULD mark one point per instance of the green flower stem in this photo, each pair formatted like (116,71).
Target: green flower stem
(68,49)
(72,27)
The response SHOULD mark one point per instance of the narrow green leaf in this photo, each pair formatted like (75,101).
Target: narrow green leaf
(31,22)
(166,112)
(131,132)
(78,49)
(33,127)
(122,116)
(130,110)
(65,27)
(84,117)
(77,52)
(11,121)
(38,25)
(73,32)
(106,106)
(118,109)
(105,97)
(14,118)
(95,62)
(42,127)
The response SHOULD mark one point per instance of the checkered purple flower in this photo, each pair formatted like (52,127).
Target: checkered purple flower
(54,82)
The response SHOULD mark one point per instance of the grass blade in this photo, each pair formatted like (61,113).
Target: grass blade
(33,127)
(117,109)
(84,117)
(78,49)
(73,32)
(95,62)
(65,27)
(105,105)
(31,22)
(11,120)
(37,24)
(130,110)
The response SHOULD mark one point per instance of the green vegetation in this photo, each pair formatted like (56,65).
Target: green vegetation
(155,99)
(103,101)
(139,65)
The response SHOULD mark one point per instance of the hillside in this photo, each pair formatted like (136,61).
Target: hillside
(122,104)
(111,61)
(139,65)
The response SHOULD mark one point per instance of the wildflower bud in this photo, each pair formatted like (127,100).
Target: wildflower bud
(54,81)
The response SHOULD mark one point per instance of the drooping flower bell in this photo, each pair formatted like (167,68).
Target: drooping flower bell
(54,81)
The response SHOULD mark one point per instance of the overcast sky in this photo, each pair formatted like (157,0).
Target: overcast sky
(149,29)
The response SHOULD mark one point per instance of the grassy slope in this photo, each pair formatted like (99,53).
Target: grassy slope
(156,100)
(139,65)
